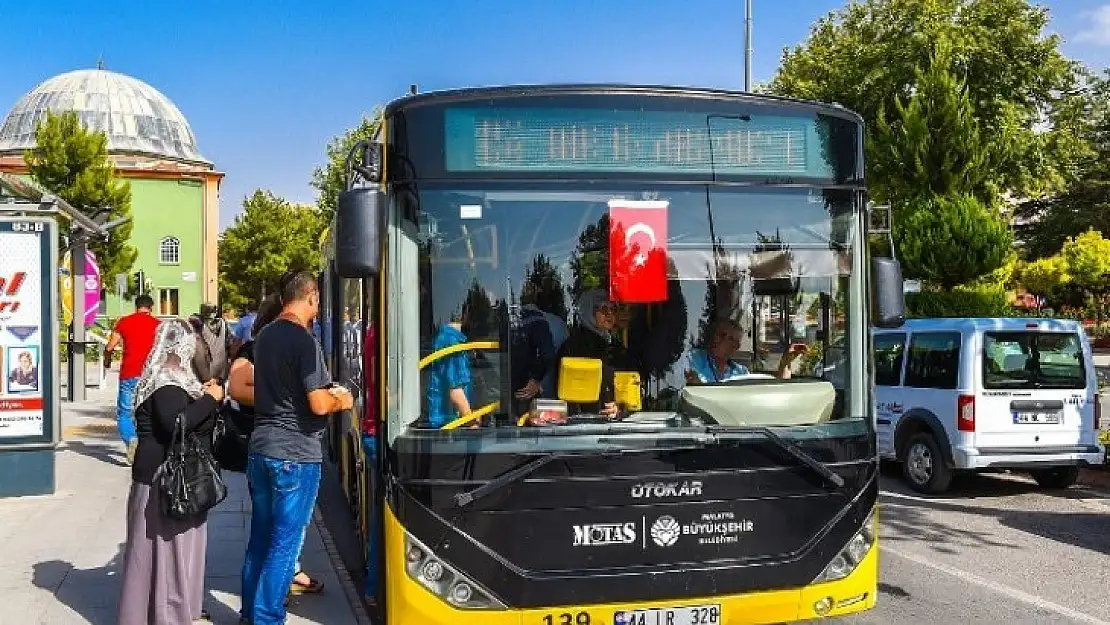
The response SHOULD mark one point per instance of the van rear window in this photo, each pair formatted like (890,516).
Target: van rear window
(1027,360)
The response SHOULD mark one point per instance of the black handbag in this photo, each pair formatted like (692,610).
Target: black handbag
(190,484)
(231,439)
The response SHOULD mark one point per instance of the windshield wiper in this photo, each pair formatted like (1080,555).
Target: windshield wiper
(813,463)
(503,480)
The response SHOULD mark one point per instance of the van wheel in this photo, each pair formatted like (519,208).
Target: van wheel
(923,465)
(1059,477)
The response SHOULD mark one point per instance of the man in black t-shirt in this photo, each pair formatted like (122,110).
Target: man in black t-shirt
(293,397)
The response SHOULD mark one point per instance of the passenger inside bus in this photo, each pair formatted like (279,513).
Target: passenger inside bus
(533,350)
(450,383)
(714,363)
(592,338)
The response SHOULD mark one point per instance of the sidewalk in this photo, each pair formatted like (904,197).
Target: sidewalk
(61,553)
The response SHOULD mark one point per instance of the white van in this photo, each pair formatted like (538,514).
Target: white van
(986,394)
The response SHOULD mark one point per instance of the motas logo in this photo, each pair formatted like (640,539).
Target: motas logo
(665,531)
(666,489)
(598,534)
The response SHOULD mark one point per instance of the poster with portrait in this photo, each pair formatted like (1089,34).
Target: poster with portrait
(27,255)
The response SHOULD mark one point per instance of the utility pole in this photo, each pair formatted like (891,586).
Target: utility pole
(79,237)
(748,45)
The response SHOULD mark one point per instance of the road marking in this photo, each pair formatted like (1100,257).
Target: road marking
(1086,491)
(1001,589)
(885,493)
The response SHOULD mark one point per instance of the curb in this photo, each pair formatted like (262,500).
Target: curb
(354,598)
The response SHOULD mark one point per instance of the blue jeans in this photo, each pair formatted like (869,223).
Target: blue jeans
(125,409)
(283,494)
(369,446)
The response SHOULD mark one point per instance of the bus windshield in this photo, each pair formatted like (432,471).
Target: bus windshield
(672,306)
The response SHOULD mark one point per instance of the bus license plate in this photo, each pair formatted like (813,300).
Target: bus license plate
(1036,417)
(689,615)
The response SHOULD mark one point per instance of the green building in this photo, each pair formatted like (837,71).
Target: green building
(174,189)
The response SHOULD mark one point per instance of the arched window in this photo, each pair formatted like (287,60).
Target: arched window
(169,252)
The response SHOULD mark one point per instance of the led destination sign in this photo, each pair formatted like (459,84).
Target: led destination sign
(607,140)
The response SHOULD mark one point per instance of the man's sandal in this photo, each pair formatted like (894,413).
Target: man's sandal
(313,587)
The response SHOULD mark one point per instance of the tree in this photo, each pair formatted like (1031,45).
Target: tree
(544,285)
(1045,222)
(950,241)
(1088,258)
(332,178)
(589,263)
(1045,276)
(865,56)
(72,163)
(932,146)
(271,236)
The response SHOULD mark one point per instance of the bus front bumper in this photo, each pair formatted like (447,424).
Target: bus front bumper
(410,603)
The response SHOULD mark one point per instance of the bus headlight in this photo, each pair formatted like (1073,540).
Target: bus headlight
(853,553)
(443,580)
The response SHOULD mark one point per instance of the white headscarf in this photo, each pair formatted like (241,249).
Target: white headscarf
(169,362)
(588,303)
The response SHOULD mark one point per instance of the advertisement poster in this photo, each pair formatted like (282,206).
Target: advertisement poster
(25,360)
(92,288)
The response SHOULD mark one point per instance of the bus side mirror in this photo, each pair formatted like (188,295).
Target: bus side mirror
(359,226)
(888,301)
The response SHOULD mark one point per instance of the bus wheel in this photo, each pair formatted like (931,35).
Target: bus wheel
(1057,477)
(923,465)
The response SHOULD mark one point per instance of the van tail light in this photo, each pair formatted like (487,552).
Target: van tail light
(965,413)
(1098,411)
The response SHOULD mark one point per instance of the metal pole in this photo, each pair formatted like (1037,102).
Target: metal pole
(77,338)
(747,45)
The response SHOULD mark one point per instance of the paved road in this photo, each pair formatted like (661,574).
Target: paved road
(995,549)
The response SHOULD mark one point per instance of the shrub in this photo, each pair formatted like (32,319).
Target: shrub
(961,302)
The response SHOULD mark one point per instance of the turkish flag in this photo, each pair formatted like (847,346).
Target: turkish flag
(638,251)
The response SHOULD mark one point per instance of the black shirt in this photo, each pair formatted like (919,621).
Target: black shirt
(532,350)
(288,366)
(155,420)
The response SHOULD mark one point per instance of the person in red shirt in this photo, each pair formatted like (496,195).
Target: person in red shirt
(136,331)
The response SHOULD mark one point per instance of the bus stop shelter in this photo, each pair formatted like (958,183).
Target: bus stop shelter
(30,385)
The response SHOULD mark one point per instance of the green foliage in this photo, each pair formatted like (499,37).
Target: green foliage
(544,287)
(866,56)
(1045,276)
(932,145)
(589,263)
(1046,222)
(1088,258)
(72,163)
(951,241)
(271,236)
(963,302)
(331,179)
(481,313)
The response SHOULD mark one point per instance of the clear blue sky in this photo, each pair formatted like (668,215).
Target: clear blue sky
(265,84)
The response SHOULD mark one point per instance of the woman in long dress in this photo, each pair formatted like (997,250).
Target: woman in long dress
(163,559)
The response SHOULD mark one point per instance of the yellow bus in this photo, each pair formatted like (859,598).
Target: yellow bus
(621,337)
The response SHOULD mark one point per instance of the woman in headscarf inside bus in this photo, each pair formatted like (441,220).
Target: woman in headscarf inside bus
(163,559)
(592,337)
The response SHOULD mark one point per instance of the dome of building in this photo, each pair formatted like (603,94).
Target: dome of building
(136,117)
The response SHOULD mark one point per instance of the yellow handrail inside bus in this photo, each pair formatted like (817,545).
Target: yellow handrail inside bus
(472,416)
(454,349)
